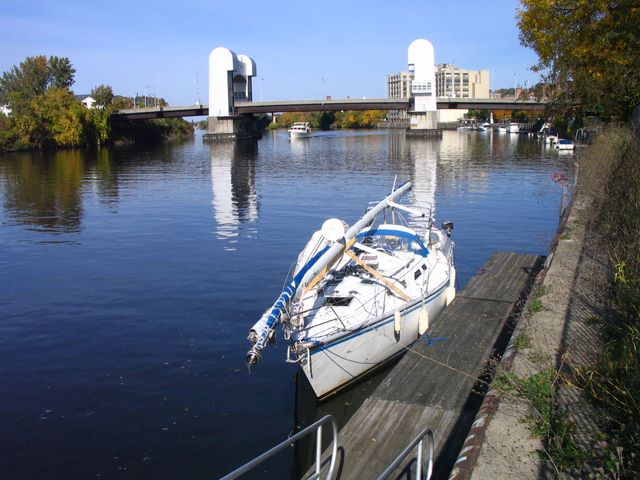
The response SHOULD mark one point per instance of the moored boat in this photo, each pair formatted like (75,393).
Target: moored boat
(564,144)
(300,129)
(513,128)
(361,295)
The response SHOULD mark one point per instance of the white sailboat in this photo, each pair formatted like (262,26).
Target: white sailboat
(361,295)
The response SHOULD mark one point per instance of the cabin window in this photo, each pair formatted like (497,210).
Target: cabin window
(417,274)
(338,301)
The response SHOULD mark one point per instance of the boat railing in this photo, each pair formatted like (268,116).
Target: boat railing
(316,427)
(419,441)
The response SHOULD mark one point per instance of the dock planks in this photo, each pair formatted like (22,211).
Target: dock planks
(435,384)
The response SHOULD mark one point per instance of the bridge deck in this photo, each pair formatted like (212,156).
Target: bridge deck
(434,385)
(333,105)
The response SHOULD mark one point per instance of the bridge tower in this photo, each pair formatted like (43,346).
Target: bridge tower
(423,117)
(230,80)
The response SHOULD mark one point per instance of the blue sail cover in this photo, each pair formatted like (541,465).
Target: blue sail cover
(414,243)
(290,290)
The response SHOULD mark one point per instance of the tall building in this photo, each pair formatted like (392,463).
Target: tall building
(456,82)
(451,81)
(398,86)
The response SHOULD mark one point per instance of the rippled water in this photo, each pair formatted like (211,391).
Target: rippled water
(130,278)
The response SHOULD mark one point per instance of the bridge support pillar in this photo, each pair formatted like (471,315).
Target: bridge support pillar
(232,128)
(424,124)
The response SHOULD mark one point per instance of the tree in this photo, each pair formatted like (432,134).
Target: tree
(64,118)
(28,80)
(103,95)
(589,49)
(33,77)
(480,115)
(121,103)
(61,71)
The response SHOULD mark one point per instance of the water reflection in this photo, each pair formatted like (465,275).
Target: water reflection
(141,315)
(235,202)
(424,156)
(44,192)
(106,177)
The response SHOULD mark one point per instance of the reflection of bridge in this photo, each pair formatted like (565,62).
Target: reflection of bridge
(330,105)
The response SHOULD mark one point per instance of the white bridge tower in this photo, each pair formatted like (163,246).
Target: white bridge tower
(423,117)
(229,81)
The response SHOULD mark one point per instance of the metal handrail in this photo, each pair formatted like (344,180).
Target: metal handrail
(417,441)
(281,446)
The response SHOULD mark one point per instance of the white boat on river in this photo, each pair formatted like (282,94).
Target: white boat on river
(361,295)
(300,129)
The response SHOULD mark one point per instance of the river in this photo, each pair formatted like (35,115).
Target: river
(130,278)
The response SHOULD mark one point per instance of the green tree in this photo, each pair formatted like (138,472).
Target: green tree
(61,72)
(20,84)
(103,95)
(121,103)
(65,118)
(588,49)
(33,77)
(479,115)
(326,120)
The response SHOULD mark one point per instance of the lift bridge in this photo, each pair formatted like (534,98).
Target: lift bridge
(231,111)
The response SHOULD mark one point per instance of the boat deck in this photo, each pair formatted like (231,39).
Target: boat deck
(435,384)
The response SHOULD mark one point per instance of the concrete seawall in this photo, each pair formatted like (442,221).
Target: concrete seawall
(561,333)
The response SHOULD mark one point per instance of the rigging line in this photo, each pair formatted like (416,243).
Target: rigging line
(348,360)
(457,370)
(338,365)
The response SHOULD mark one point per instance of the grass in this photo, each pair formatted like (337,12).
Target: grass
(522,341)
(537,390)
(544,420)
(612,173)
(535,301)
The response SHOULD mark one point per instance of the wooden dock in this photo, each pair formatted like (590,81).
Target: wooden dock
(435,385)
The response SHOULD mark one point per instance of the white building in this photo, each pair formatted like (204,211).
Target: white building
(87,100)
(456,82)
(398,86)
(450,81)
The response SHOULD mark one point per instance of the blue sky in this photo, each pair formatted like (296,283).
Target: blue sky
(302,49)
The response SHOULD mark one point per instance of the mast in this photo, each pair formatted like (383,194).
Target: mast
(309,275)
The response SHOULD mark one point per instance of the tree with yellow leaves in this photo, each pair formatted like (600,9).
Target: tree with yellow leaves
(588,49)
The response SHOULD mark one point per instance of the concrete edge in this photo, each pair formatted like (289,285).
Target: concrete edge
(472,447)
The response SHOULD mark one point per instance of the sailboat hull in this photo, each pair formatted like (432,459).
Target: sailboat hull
(343,360)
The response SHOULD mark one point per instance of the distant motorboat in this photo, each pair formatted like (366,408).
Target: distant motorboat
(550,139)
(502,129)
(485,127)
(564,144)
(300,129)
(513,128)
